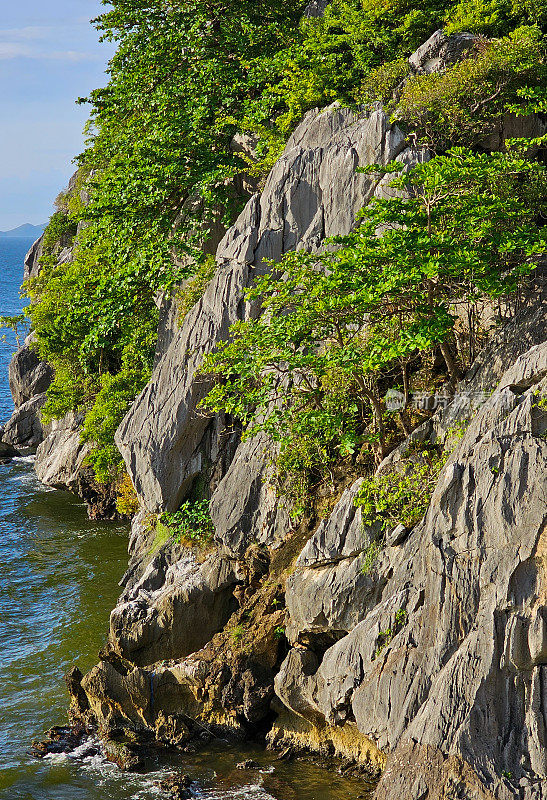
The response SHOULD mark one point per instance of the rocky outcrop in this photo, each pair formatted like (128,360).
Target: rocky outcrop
(32,260)
(60,458)
(28,376)
(442,668)
(157,616)
(316,8)
(328,594)
(29,379)
(428,663)
(313,192)
(422,653)
(24,430)
(61,463)
(440,52)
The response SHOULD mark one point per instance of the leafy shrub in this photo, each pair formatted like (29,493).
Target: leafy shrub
(127,501)
(493,17)
(191,524)
(370,556)
(237,633)
(381,82)
(330,56)
(464,104)
(195,288)
(18,324)
(395,497)
(59,232)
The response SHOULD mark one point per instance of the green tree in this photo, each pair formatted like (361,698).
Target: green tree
(335,327)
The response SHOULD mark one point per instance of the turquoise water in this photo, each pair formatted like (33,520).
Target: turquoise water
(59,576)
(58,582)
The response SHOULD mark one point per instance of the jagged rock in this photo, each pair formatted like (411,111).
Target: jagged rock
(29,379)
(316,8)
(456,679)
(312,192)
(441,51)
(59,740)
(61,463)
(32,260)
(127,755)
(397,536)
(328,593)
(241,517)
(174,609)
(248,764)
(176,787)
(60,457)
(24,429)
(28,376)
(78,700)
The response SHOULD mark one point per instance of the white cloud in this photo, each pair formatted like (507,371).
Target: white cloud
(38,41)
(11,50)
(14,50)
(31,32)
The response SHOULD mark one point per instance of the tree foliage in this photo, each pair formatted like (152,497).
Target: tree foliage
(465,104)
(335,328)
(158,171)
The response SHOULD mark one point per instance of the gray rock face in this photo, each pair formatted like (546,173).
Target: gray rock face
(157,618)
(244,506)
(61,463)
(316,8)
(24,429)
(32,259)
(28,376)
(172,604)
(312,192)
(60,457)
(457,679)
(441,51)
(29,379)
(328,593)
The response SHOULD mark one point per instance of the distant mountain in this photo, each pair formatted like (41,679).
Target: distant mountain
(25,231)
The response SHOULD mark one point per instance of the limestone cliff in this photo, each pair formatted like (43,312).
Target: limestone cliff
(428,663)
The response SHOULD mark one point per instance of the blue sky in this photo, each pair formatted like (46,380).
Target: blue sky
(49,56)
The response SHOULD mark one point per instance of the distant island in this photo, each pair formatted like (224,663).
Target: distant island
(25,231)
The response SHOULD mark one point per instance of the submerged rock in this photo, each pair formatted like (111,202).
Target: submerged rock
(176,787)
